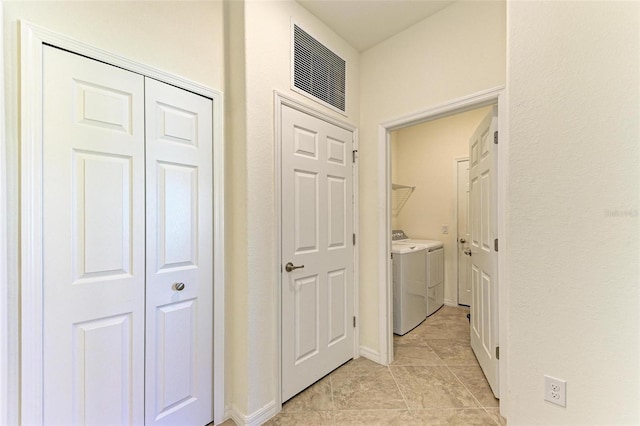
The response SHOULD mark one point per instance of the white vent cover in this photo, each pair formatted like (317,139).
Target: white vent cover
(317,70)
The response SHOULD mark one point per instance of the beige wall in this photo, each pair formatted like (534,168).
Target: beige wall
(573,236)
(188,39)
(456,52)
(236,303)
(425,157)
(181,37)
(266,52)
(573,224)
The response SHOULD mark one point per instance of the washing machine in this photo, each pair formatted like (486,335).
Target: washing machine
(409,286)
(434,264)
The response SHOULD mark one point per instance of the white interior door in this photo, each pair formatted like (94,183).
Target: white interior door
(464,285)
(484,259)
(93,248)
(97,367)
(317,227)
(179,299)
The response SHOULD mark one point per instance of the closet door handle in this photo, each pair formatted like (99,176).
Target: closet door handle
(178,286)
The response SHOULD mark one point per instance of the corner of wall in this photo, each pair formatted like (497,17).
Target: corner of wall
(4,278)
(371,354)
(237,386)
(256,418)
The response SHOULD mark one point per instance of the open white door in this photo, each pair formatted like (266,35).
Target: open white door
(463,237)
(179,344)
(484,246)
(317,227)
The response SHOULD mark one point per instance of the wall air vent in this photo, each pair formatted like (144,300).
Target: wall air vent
(318,71)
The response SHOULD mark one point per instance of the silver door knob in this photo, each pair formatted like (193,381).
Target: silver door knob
(462,241)
(467,252)
(178,286)
(290,267)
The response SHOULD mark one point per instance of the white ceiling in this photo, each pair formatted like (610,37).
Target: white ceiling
(365,23)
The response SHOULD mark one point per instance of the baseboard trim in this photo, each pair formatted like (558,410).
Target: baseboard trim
(370,354)
(450,303)
(254,419)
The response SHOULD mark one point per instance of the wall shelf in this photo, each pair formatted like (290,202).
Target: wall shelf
(401,194)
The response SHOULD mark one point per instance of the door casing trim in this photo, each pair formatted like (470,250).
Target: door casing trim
(32,40)
(456,163)
(279,101)
(4,276)
(492,96)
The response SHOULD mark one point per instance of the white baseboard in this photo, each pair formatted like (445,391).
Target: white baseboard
(254,419)
(449,302)
(370,354)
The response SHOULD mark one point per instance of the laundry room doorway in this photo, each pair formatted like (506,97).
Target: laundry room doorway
(424,157)
(430,212)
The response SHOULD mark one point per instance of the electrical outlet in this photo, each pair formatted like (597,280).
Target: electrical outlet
(555,391)
(445,229)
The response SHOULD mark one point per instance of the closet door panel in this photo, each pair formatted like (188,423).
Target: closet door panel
(93,241)
(177,244)
(179,256)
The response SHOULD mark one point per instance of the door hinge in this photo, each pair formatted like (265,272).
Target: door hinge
(497,352)
(354,322)
(495,137)
(495,244)
(353,153)
(354,239)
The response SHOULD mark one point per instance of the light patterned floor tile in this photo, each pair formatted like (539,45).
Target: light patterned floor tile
(412,338)
(431,387)
(415,355)
(461,417)
(435,380)
(315,398)
(373,417)
(473,379)
(445,330)
(495,414)
(310,418)
(362,384)
(456,311)
(453,352)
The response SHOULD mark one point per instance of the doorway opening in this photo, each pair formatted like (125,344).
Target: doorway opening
(492,97)
(426,156)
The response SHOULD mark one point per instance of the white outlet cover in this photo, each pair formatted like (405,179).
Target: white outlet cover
(555,391)
(445,229)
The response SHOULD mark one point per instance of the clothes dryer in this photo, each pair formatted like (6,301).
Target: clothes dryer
(434,264)
(409,286)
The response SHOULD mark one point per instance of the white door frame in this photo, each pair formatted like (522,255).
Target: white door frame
(491,96)
(456,162)
(4,277)
(31,43)
(281,100)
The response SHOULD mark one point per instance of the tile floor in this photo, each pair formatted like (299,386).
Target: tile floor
(434,380)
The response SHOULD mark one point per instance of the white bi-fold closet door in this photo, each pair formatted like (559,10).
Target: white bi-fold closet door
(127,247)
